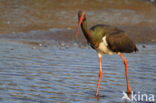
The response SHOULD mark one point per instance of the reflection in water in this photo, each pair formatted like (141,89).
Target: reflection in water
(51,74)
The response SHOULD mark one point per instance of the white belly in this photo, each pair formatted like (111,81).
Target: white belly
(103,48)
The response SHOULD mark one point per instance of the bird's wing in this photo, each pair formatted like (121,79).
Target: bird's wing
(118,41)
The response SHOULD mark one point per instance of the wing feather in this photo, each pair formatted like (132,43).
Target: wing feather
(119,41)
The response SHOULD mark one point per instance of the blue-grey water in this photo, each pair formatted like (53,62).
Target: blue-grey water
(36,69)
(47,74)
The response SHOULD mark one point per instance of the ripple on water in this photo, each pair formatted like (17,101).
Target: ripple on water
(70,75)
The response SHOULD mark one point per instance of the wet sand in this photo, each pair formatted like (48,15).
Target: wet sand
(143,35)
(34,19)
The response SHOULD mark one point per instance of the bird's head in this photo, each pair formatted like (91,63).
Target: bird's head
(81,16)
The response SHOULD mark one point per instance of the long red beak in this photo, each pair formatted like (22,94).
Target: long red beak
(80,21)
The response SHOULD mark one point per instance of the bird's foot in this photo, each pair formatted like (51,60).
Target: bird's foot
(129,91)
(96,94)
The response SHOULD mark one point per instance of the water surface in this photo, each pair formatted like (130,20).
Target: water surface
(42,74)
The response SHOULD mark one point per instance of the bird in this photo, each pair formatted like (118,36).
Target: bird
(106,39)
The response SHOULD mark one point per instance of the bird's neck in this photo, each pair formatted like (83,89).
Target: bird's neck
(84,28)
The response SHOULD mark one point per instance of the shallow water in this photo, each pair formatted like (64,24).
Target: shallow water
(38,74)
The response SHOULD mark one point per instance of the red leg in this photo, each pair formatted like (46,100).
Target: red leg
(125,62)
(100,75)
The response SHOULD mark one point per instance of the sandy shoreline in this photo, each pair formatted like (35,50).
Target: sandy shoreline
(54,20)
(145,35)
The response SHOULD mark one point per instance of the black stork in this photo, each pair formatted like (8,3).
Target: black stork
(106,39)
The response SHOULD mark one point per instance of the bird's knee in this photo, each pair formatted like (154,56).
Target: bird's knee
(100,74)
(125,61)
